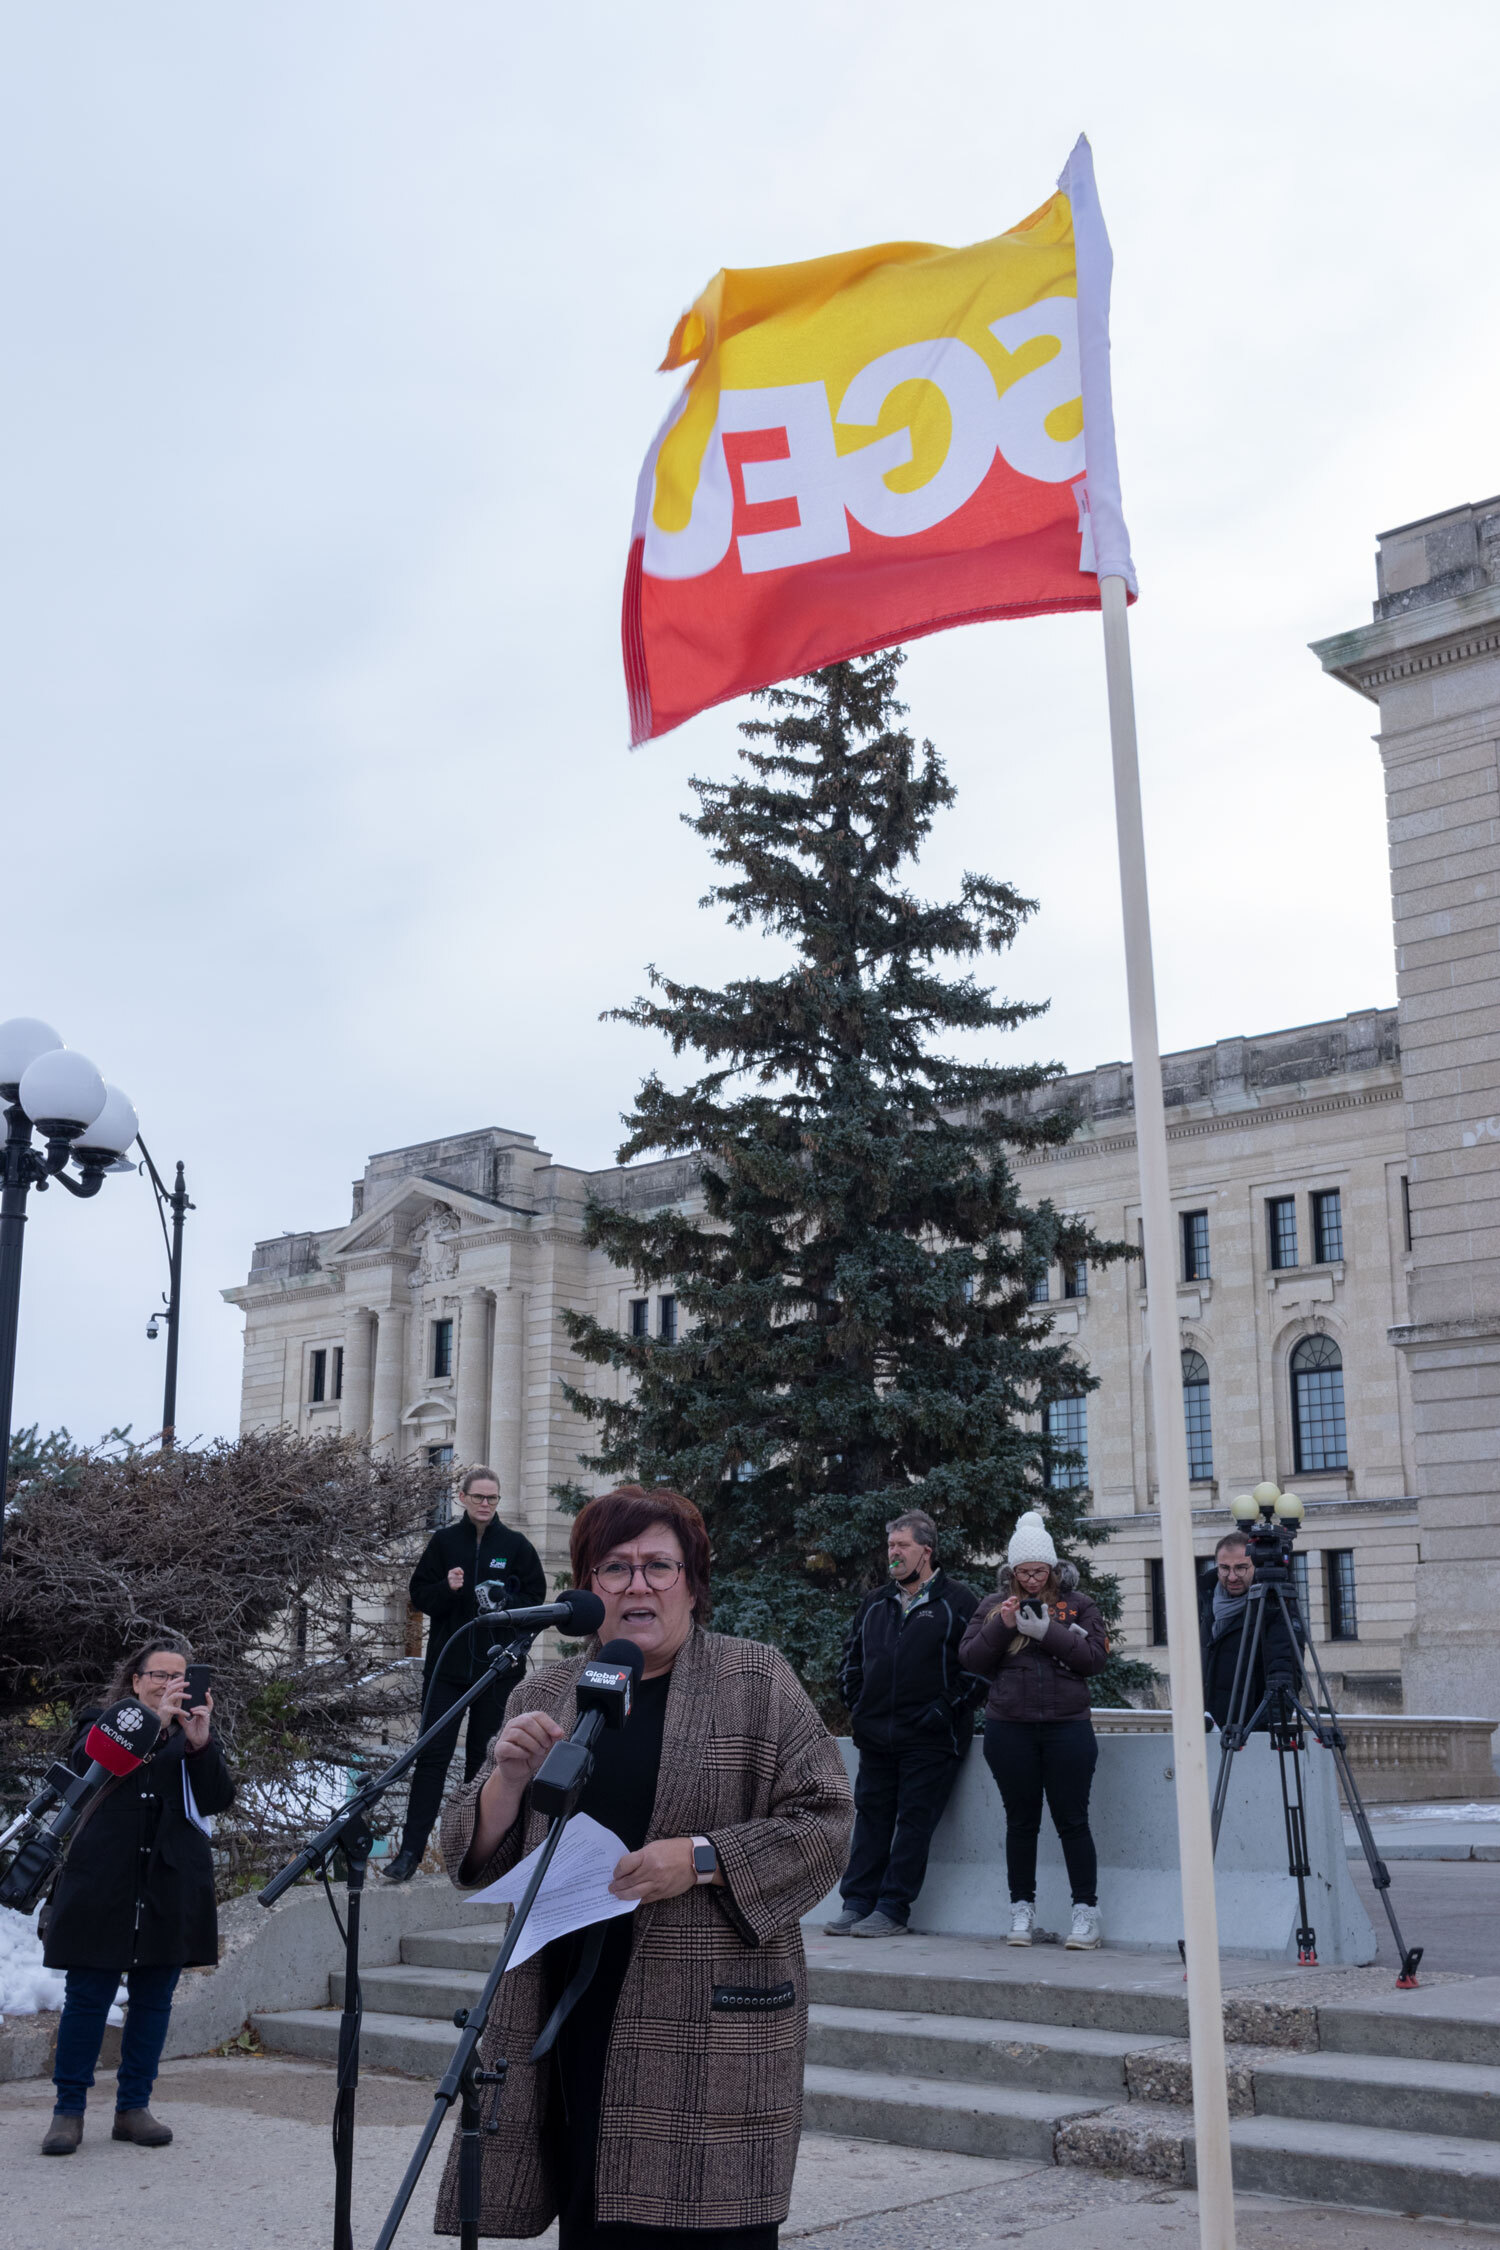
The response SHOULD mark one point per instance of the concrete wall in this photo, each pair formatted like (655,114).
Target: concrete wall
(1133,1815)
(279,1957)
(1430,661)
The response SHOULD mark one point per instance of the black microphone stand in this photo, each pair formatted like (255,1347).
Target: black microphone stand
(462,2081)
(558,1790)
(350,1833)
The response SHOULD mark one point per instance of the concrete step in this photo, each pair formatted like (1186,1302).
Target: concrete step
(1432,2026)
(968,2120)
(472,1948)
(978,2050)
(1453,2100)
(1124,2006)
(1306,2159)
(413,2045)
(406,1990)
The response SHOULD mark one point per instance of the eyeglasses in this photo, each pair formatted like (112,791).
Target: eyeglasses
(161,1675)
(658,1571)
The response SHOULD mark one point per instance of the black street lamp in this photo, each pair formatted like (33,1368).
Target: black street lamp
(175,1200)
(49,1089)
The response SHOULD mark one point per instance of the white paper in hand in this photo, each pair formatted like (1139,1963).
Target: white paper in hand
(574,1892)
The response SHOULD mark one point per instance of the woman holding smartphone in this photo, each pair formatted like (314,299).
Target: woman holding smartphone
(1038,1640)
(135,1896)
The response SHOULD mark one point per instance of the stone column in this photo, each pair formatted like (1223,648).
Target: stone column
(390,1372)
(359,1361)
(473,1377)
(508,1397)
(1431,661)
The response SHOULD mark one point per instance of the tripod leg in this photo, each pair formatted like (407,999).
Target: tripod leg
(1380,1875)
(1294,1812)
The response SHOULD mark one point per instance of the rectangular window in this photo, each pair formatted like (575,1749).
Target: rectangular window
(1406,1210)
(1041,1287)
(666,1319)
(317,1377)
(439,1457)
(1065,1423)
(1076,1279)
(640,1316)
(442,1347)
(1328,1227)
(1157,1601)
(1343,1617)
(1304,1593)
(1281,1227)
(1195,1246)
(338,1372)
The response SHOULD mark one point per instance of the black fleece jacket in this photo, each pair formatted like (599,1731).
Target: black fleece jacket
(503,1558)
(900,1677)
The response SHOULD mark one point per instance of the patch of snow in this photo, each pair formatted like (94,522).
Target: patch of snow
(25,1985)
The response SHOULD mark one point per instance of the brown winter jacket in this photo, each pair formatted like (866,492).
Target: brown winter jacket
(703,2087)
(1043,1679)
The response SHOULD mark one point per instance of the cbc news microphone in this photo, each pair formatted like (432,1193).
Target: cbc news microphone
(576,1610)
(119,1740)
(605,1687)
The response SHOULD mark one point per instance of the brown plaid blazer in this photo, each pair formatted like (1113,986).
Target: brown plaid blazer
(703,2086)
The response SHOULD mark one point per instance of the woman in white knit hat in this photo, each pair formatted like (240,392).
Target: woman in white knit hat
(1038,1640)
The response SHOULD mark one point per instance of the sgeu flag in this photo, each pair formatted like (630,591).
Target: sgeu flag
(874,446)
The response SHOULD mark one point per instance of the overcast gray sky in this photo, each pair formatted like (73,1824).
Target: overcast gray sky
(331,331)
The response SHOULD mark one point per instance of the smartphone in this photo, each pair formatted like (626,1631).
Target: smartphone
(1030,1609)
(198,1677)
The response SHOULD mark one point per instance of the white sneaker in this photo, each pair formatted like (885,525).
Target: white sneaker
(1087,1930)
(1022,1921)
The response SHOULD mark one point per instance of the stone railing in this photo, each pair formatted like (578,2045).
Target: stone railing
(1410,1760)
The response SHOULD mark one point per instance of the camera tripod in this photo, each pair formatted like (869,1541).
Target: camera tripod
(1290,1720)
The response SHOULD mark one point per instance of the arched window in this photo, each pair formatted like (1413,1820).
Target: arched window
(1318,1436)
(1200,1437)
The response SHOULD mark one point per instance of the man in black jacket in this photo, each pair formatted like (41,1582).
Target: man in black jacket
(477,1549)
(1223,1607)
(912,1708)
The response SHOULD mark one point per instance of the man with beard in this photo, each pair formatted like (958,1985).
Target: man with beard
(912,1708)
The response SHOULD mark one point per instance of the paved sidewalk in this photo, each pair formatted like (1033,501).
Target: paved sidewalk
(1431,1831)
(251,2169)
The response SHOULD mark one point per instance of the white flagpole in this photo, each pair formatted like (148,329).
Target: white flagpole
(1189,1735)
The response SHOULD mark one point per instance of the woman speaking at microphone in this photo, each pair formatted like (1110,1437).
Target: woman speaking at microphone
(665,2114)
(135,1899)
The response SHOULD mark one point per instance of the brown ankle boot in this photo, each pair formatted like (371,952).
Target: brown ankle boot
(140,2126)
(63,2134)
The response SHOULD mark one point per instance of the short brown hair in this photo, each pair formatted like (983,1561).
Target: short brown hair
(478,1475)
(1231,1539)
(612,1518)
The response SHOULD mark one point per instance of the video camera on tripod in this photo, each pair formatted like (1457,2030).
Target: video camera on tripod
(1290,1707)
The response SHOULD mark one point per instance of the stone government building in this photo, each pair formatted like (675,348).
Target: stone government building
(1337,1190)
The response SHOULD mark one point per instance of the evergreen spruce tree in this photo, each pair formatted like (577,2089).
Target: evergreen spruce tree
(857,1333)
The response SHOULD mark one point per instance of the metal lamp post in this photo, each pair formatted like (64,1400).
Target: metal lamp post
(50,1090)
(175,1200)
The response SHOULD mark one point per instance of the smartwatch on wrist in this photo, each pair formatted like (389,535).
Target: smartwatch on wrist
(705,1860)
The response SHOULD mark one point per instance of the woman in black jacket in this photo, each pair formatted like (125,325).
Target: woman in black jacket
(477,1549)
(135,1899)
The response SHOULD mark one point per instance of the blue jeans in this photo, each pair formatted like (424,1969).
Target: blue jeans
(80,2035)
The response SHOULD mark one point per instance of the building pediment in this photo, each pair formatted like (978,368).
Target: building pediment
(422,1219)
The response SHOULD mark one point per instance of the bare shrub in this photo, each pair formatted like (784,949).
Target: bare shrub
(282,1559)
